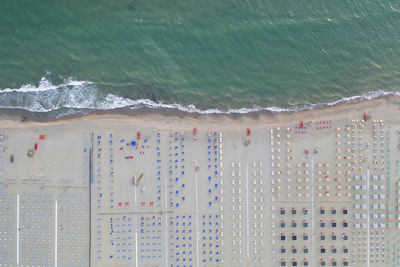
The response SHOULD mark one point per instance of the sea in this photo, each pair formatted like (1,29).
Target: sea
(206,56)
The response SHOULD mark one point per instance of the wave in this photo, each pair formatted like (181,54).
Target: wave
(44,85)
(73,96)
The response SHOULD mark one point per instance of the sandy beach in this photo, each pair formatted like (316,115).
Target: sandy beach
(167,188)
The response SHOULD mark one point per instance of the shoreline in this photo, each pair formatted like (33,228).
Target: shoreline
(15,115)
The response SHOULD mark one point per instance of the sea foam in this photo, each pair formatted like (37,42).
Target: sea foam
(77,96)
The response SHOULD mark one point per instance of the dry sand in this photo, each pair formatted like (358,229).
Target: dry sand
(312,187)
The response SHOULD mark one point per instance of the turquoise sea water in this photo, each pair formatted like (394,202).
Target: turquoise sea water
(212,54)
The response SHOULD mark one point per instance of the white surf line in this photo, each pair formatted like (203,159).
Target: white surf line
(368,214)
(136,234)
(166,221)
(18,230)
(197,219)
(55,233)
(312,211)
(247,212)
